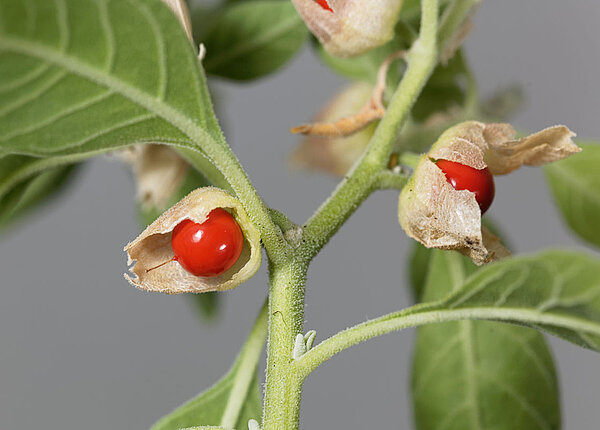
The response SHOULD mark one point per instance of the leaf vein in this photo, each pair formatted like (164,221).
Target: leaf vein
(129,122)
(179,120)
(545,371)
(439,357)
(160,49)
(109,36)
(523,402)
(34,95)
(24,79)
(62,19)
(58,116)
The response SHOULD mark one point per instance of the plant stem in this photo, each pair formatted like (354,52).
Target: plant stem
(388,180)
(286,299)
(248,361)
(229,169)
(361,181)
(427,314)
(283,387)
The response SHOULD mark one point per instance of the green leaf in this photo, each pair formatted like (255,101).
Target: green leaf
(443,90)
(418,269)
(86,76)
(23,189)
(557,291)
(233,400)
(420,259)
(209,406)
(468,374)
(253,38)
(575,185)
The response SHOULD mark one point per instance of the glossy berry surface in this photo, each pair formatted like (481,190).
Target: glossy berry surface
(210,248)
(324,5)
(461,177)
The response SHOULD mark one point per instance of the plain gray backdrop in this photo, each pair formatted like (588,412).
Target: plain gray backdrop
(80,348)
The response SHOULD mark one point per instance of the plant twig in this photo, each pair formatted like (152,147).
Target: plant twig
(361,181)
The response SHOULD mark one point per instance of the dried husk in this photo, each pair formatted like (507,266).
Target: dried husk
(336,155)
(159,172)
(153,247)
(354,26)
(434,213)
(180,9)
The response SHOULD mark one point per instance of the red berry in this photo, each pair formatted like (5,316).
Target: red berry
(324,5)
(210,248)
(461,177)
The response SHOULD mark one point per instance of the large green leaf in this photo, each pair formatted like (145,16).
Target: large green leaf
(556,291)
(479,374)
(85,76)
(253,38)
(233,400)
(575,185)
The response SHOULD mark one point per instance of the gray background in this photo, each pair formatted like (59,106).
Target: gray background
(80,348)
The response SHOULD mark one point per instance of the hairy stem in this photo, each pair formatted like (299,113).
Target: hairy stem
(427,314)
(362,180)
(286,315)
(286,300)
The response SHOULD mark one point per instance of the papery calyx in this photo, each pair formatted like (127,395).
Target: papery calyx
(439,216)
(150,255)
(350,27)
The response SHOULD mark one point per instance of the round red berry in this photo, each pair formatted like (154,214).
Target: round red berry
(210,248)
(324,5)
(461,177)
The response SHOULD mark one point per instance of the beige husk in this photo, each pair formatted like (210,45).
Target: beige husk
(354,26)
(153,247)
(159,172)
(434,213)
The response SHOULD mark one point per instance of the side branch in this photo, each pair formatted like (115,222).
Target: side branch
(427,314)
(362,180)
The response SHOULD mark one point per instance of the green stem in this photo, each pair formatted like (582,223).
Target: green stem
(362,180)
(388,180)
(227,164)
(248,362)
(286,315)
(420,315)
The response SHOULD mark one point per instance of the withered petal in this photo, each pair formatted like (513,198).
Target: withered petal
(546,146)
(159,172)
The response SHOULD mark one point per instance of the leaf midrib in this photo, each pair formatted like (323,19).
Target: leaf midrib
(101,77)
